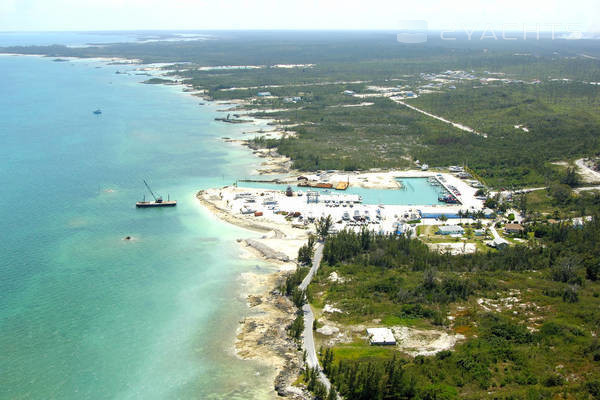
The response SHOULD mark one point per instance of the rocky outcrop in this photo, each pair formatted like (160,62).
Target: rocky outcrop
(266,251)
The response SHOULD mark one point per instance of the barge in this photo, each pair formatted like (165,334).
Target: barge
(158,201)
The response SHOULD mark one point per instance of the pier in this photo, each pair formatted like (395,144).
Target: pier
(445,186)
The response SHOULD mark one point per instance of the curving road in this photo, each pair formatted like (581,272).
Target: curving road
(308,341)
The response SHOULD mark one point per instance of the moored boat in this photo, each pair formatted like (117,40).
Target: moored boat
(158,201)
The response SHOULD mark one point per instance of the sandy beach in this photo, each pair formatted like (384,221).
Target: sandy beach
(262,334)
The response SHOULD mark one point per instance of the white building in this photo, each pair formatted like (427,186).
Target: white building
(381,336)
(450,230)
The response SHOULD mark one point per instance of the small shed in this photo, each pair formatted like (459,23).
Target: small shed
(499,243)
(381,336)
(450,230)
(264,94)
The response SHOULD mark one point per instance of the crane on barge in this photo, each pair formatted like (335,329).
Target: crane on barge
(158,201)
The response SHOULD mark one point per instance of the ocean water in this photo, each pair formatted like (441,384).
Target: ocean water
(85,314)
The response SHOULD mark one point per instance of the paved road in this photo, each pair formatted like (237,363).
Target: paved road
(315,266)
(309,343)
(495,234)
(583,189)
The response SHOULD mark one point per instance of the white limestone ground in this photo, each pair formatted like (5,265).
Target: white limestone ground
(588,174)
(417,342)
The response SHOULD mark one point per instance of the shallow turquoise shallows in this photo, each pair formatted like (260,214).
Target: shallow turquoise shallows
(85,314)
(413,191)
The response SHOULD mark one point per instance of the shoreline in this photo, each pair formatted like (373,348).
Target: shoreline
(262,334)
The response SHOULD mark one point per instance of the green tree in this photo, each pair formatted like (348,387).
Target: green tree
(298,297)
(332,395)
(571,177)
(522,204)
(322,226)
(296,327)
(570,295)
(560,193)
(320,390)
(307,251)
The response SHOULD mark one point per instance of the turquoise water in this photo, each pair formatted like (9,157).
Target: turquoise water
(415,191)
(83,313)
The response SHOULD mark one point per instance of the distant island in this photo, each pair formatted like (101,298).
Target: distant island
(159,81)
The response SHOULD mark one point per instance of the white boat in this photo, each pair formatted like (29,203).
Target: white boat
(346,216)
(269,201)
(247,210)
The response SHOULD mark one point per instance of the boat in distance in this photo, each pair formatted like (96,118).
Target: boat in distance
(158,201)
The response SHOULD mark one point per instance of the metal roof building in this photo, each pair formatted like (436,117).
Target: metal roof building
(450,230)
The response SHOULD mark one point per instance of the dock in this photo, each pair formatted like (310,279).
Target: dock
(445,186)
(320,185)
(342,185)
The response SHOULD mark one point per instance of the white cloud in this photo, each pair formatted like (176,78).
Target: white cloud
(288,14)
(7,7)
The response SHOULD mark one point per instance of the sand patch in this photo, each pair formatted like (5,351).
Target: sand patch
(417,342)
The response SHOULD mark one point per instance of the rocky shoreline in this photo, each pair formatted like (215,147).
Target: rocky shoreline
(262,335)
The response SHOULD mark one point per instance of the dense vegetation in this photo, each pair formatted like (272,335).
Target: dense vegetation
(542,347)
(560,111)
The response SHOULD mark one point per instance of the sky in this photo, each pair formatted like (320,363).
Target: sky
(509,15)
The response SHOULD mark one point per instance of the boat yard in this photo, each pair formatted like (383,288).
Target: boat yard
(402,200)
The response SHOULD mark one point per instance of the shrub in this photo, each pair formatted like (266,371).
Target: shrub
(570,295)
(592,271)
(297,327)
(564,271)
(553,380)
